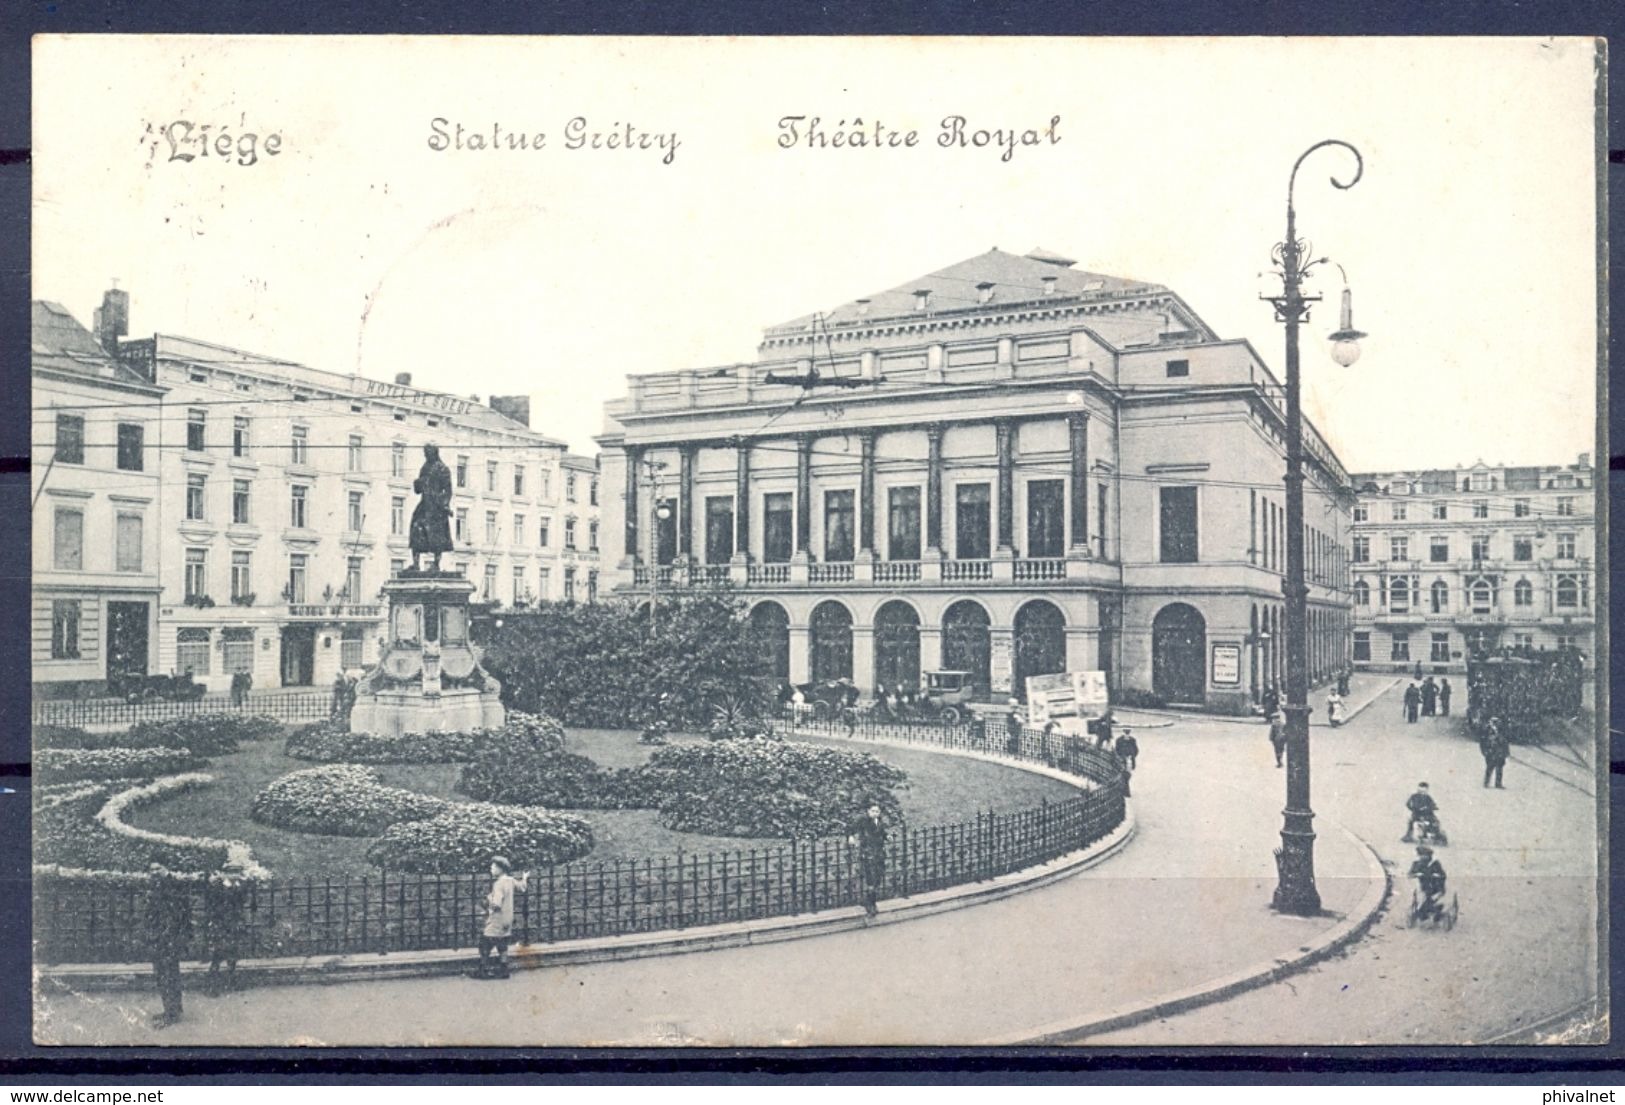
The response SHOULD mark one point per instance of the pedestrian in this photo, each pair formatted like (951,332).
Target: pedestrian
(1272,701)
(1334,708)
(225,900)
(1343,683)
(1128,749)
(169,928)
(336,708)
(1494,748)
(1444,697)
(1278,736)
(1044,746)
(868,835)
(1413,702)
(236,688)
(1418,675)
(498,929)
(1103,730)
(1430,697)
(1012,721)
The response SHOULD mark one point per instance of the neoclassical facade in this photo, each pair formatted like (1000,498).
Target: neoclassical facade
(1022,468)
(1449,562)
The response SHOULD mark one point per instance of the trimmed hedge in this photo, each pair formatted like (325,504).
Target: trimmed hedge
(465,837)
(340,800)
(69,835)
(203,734)
(332,742)
(66,765)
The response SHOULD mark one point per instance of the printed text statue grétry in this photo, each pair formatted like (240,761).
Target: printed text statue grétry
(431,520)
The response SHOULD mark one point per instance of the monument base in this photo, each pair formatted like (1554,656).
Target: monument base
(392,713)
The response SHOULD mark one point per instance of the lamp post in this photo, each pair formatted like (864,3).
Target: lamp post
(652,470)
(1295,859)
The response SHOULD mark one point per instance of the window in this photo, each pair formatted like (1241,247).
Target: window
(192,651)
(352,579)
(350,646)
(1481,596)
(592,585)
(569,533)
(490,527)
(778,527)
(518,479)
(1520,508)
(68,552)
(1362,593)
(490,477)
(719,529)
(241,576)
(460,524)
(1178,368)
(1362,645)
(300,450)
(131,439)
(1440,596)
(1523,593)
(239,502)
(299,506)
(1565,546)
(838,526)
(543,533)
(1178,517)
(1397,510)
(195,421)
(397,515)
(1568,640)
(239,435)
(1399,594)
(544,583)
(903,523)
(519,529)
(1570,595)
(592,499)
(1481,546)
(397,460)
(237,649)
(1480,481)
(570,487)
(1439,650)
(1523,548)
(546,488)
(1361,551)
(197,573)
(195,484)
(1439,549)
(1523,640)
(352,454)
(462,472)
(1399,646)
(569,585)
(1481,508)
(1399,548)
(518,584)
(298,570)
(972,514)
(1441,512)
(129,542)
(1100,516)
(70,439)
(396,567)
(1362,514)
(1565,506)
(592,536)
(1046,519)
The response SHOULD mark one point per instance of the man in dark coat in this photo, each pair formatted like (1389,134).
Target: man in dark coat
(225,900)
(431,519)
(1128,749)
(1430,697)
(868,835)
(1413,702)
(1444,697)
(1494,748)
(1272,701)
(169,928)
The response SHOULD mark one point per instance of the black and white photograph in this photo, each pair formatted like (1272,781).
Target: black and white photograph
(817,543)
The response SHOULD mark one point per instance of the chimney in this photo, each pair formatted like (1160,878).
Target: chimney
(984,292)
(515,407)
(1049,285)
(1585,460)
(922,297)
(112,320)
(863,306)
(404,379)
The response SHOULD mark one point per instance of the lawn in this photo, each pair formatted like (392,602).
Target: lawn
(941,790)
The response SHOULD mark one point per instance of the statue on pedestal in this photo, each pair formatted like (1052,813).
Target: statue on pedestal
(431,519)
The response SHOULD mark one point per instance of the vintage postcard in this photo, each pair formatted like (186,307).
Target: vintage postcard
(817,542)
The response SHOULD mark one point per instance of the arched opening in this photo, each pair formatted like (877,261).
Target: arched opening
(830,640)
(967,642)
(1179,654)
(897,647)
(770,626)
(1040,642)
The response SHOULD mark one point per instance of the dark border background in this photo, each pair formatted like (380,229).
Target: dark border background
(22,1062)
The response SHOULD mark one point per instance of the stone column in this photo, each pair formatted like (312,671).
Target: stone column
(1005,431)
(930,648)
(742,500)
(685,503)
(804,447)
(1001,669)
(1078,431)
(866,496)
(634,459)
(933,486)
(863,659)
(800,654)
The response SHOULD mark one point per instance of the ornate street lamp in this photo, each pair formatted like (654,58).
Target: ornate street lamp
(1295,859)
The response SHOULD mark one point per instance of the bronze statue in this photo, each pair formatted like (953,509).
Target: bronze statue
(431,519)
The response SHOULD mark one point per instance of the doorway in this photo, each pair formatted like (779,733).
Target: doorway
(298,655)
(127,640)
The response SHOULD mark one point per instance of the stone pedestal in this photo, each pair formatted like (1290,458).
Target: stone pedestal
(428,679)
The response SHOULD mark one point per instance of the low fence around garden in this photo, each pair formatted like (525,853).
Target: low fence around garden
(282,705)
(100,921)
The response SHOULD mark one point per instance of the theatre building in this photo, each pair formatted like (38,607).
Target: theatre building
(1024,468)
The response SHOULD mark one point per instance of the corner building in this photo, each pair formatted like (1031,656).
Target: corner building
(1036,469)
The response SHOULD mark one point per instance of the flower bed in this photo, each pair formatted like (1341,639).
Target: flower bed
(332,742)
(188,853)
(80,830)
(205,734)
(465,837)
(769,788)
(64,765)
(340,800)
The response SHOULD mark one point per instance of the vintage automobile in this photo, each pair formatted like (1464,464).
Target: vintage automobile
(157,688)
(830,698)
(946,698)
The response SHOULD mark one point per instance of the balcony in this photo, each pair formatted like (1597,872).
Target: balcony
(838,572)
(768,573)
(1040,570)
(897,571)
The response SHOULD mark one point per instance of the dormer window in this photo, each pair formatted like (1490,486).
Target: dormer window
(922,297)
(1049,285)
(984,292)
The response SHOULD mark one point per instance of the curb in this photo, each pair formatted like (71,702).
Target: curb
(1340,936)
(1230,719)
(365,966)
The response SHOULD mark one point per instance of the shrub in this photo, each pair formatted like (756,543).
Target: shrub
(769,788)
(330,741)
(340,800)
(79,830)
(465,837)
(205,734)
(64,736)
(525,764)
(65,765)
(176,852)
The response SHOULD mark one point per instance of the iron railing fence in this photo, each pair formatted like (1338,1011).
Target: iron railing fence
(282,705)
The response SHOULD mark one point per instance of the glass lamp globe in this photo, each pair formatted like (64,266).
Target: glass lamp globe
(1346,351)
